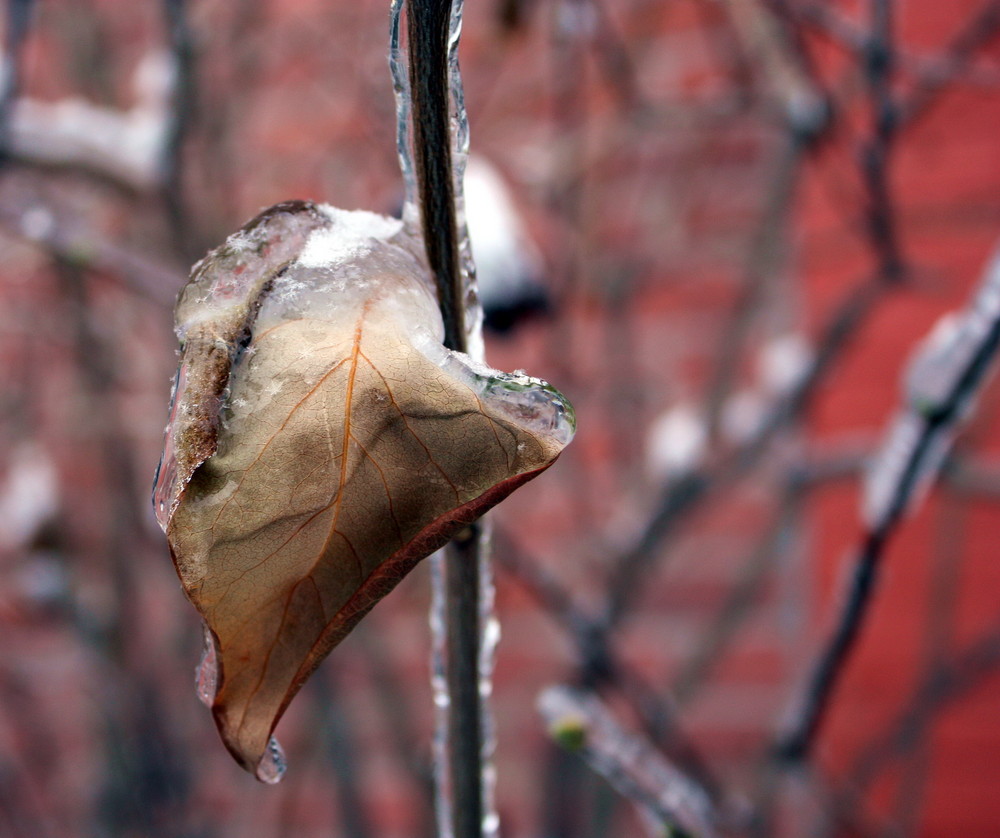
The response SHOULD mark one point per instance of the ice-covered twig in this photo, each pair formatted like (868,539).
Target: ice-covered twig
(428,25)
(602,667)
(942,381)
(122,146)
(439,132)
(669,802)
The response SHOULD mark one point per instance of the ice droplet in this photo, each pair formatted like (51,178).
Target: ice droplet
(272,765)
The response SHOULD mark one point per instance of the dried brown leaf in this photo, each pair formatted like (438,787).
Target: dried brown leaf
(321,443)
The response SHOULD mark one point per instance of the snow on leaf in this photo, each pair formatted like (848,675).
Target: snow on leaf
(303,479)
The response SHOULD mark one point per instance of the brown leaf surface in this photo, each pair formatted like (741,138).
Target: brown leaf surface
(350,445)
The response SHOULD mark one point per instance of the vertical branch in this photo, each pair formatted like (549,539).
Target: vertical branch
(182,107)
(427,30)
(429,24)
(18,19)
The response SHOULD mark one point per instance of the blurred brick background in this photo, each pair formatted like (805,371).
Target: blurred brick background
(645,144)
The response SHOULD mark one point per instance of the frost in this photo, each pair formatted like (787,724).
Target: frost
(352,234)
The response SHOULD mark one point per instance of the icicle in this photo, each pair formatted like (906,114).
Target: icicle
(442,699)
(459,160)
(489,634)
(401,90)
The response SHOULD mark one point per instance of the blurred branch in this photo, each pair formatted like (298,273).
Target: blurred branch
(119,147)
(600,666)
(664,796)
(691,490)
(180,113)
(978,31)
(342,753)
(84,248)
(18,21)
(722,631)
(972,477)
(947,682)
(719,634)
(879,59)
(943,380)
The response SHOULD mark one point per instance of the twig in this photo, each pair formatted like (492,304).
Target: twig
(180,115)
(83,248)
(977,32)
(914,455)
(879,59)
(718,635)
(945,683)
(601,667)
(18,20)
(762,263)
(428,32)
(666,798)
(342,752)
(692,489)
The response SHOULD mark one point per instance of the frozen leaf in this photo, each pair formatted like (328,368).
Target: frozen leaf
(322,441)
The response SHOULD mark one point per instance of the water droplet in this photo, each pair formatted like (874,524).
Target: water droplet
(272,765)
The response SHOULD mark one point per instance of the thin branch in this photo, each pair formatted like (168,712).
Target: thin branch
(601,667)
(178,122)
(941,686)
(18,21)
(979,30)
(664,795)
(944,381)
(693,489)
(716,638)
(83,248)
(428,33)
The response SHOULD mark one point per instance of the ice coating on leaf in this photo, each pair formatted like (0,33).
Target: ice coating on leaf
(337,444)
(213,317)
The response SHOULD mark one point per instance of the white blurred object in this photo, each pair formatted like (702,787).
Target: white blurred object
(782,362)
(128,145)
(676,441)
(29,496)
(508,264)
